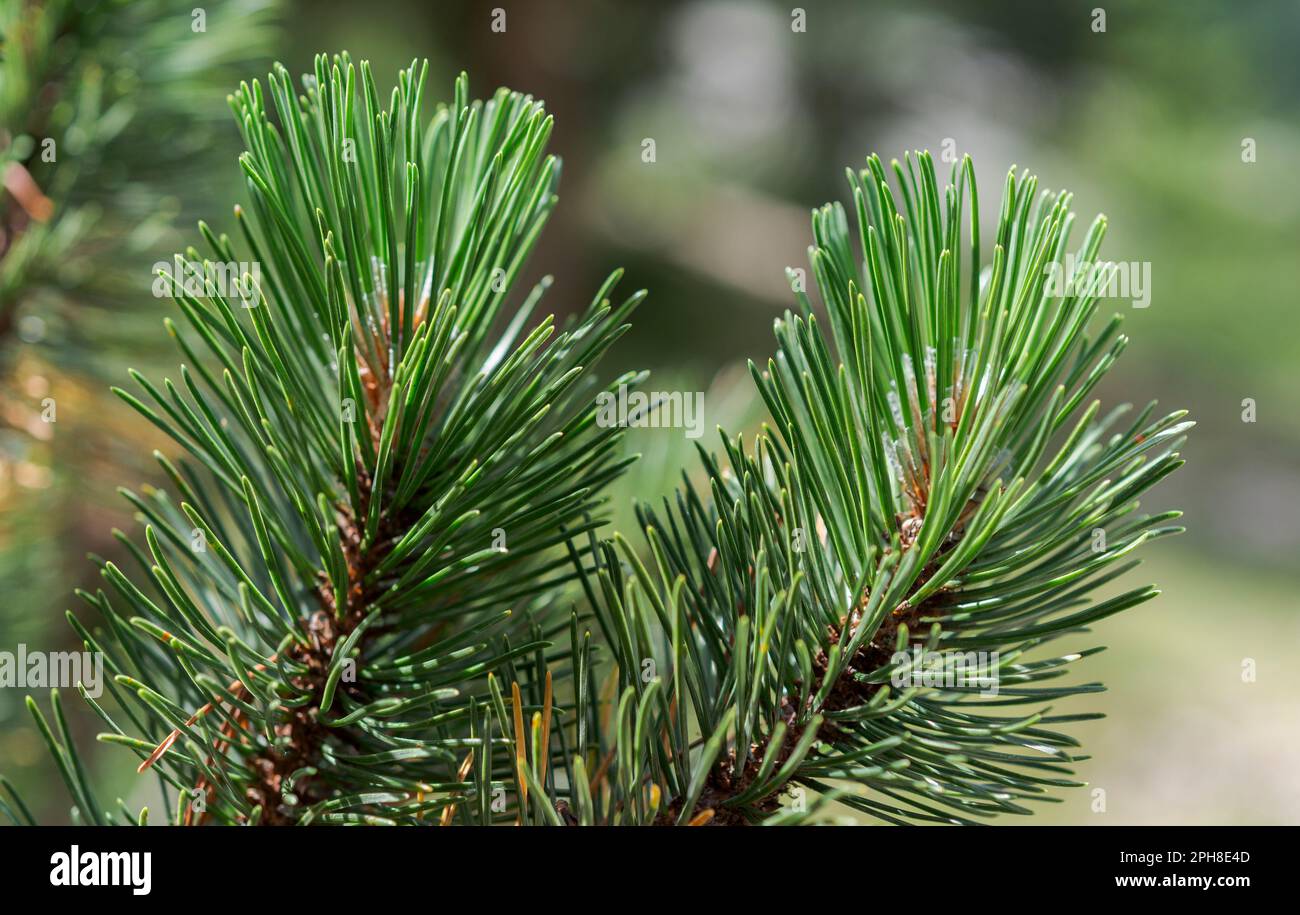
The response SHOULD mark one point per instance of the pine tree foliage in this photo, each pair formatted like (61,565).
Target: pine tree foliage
(326,625)
(384,460)
(935,477)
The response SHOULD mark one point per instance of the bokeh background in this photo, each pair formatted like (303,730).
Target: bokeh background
(1180,121)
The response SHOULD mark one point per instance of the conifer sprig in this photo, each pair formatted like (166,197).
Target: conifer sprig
(933,479)
(384,462)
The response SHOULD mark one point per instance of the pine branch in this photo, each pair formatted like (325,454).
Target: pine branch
(383,463)
(933,480)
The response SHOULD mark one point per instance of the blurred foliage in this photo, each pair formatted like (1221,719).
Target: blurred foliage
(108,115)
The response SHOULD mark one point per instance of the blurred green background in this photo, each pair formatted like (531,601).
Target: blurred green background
(1153,121)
